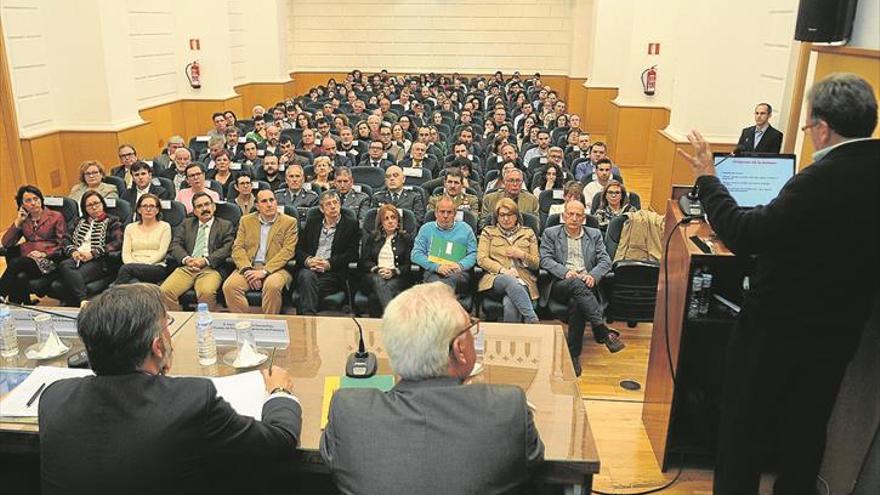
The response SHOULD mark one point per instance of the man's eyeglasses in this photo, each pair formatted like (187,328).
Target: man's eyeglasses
(473,327)
(126,155)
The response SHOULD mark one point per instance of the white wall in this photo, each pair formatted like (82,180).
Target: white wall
(468,36)
(866,27)
(92,64)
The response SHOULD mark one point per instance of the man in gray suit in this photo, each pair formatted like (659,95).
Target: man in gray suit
(201,245)
(430,434)
(575,256)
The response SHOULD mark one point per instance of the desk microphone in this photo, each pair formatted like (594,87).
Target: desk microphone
(360,364)
(690,203)
(78,359)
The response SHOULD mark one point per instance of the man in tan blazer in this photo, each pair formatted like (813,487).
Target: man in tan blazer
(265,242)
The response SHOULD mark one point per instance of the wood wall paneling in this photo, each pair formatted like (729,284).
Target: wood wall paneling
(264,94)
(13,172)
(577,98)
(630,130)
(598,109)
(865,63)
(670,168)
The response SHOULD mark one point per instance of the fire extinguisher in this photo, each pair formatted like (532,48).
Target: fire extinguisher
(193,74)
(649,80)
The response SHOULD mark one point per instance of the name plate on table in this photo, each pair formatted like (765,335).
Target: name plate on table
(25,326)
(268,333)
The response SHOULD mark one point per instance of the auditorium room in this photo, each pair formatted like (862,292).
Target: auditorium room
(612,247)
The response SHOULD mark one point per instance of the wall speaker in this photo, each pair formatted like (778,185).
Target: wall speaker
(825,21)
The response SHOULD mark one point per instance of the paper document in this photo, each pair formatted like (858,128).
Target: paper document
(246,392)
(15,404)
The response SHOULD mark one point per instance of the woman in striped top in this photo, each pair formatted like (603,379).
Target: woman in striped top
(96,235)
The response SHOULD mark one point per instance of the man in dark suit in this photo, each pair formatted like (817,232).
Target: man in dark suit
(395,194)
(328,244)
(796,332)
(329,149)
(375,157)
(429,434)
(127,157)
(142,183)
(131,429)
(200,245)
(761,137)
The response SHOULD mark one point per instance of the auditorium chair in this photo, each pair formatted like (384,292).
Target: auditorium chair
(547,199)
(372,176)
(410,226)
(119,208)
(336,301)
(631,285)
(492,306)
(116,181)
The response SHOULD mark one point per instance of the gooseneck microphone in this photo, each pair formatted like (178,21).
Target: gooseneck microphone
(361,364)
(690,203)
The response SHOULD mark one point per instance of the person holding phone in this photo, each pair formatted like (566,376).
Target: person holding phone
(43,230)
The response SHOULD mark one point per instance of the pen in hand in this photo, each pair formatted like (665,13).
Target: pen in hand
(272,360)
(30,401)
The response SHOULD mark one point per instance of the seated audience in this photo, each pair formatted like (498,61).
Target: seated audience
(576,276)
(551,179)
(429,425)
(394,194)
(244,198)
(221,173)
(195,178)
(145,244)
(127,157)
(446,249)
(270,172)
(294,194)
(265,242)
(508,252)
(43,231)
(603,177)
(323,179)
(135,430)
(200,246)
(326,247)
(94,237)
(91,175)
(177,173)
(525,201)
(454,189)
(613,203)
(357,201)
(142,183)
(385,256)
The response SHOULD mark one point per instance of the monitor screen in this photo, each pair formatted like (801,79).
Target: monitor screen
(754,180)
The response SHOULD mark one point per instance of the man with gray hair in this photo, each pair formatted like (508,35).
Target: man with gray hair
(164,160)
(801,321)
(88,425)
(430,434)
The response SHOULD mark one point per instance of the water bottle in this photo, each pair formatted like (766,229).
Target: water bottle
(205,335)
(8,336)
(706,294)
(694,302)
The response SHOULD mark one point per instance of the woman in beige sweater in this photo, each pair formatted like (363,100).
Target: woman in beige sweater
(145,244)
(508,252)
(91,178)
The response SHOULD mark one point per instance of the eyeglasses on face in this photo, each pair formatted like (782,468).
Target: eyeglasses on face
(473,327)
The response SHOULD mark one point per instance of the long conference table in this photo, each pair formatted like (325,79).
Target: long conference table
(532,357)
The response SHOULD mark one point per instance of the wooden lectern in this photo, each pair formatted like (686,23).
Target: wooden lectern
(681,414)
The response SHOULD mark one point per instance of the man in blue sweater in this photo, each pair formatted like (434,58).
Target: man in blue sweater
(446,249)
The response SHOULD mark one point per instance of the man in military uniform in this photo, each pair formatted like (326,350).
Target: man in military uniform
(295,198)
(452,187)
(395,194)
(348,197)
